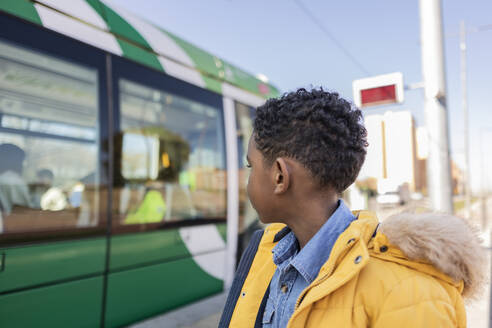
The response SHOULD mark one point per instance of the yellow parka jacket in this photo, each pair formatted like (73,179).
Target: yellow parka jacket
(409,272)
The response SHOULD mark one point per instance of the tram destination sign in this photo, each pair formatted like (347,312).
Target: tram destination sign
(378,90)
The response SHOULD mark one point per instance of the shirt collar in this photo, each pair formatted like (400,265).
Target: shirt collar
(316,252)
(285,249)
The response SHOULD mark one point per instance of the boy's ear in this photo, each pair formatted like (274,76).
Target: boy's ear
(281,176)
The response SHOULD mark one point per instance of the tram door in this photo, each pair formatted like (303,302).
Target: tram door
(169,199)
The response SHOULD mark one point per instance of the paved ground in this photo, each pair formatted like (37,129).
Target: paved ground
(206,313)
(203,314)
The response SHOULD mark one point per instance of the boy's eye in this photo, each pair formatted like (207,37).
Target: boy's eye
(248,165)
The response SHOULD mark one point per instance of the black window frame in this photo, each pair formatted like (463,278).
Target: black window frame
(34,37)
(124,69)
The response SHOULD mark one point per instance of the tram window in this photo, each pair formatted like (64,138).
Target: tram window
(247,216)
(48,142)
(172,158)
(244,124)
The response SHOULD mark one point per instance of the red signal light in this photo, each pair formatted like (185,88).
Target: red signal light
(377,96)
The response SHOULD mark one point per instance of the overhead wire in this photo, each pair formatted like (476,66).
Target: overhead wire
(330,35)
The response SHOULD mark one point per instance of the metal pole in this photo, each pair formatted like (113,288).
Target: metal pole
(464,102)
(438,164)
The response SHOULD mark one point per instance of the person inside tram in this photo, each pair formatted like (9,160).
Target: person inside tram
(13,187)
(44,181)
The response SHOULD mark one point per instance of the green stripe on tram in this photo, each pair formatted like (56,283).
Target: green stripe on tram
(216,67)
(214,70)
(203,60)
(121,27)
(212,83)
(21,8)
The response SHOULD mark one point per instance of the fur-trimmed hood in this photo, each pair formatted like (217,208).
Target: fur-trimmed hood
(439,244)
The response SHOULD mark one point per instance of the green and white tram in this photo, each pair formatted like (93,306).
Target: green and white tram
(122,183)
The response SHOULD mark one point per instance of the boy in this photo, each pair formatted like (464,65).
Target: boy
(319,265)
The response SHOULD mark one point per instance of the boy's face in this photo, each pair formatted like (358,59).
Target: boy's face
(260,186)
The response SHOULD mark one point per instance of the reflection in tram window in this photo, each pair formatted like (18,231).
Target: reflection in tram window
(48,142)
(172,158)
(13,188)
(248,219)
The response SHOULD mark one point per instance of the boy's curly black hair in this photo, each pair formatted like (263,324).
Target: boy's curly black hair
(317,128)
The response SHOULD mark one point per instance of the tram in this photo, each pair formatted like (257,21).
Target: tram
(122,178)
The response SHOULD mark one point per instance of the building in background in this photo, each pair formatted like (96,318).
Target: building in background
(457,177)
(397,155)
(392,154)
(375,163)
(400,148)
(421,163)
(421,168)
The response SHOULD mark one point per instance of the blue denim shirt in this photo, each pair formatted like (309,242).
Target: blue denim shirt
(297,269)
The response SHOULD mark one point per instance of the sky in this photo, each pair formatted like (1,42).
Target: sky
(277,38)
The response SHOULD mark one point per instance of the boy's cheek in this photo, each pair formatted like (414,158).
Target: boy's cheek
(249,192)
(252,193)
